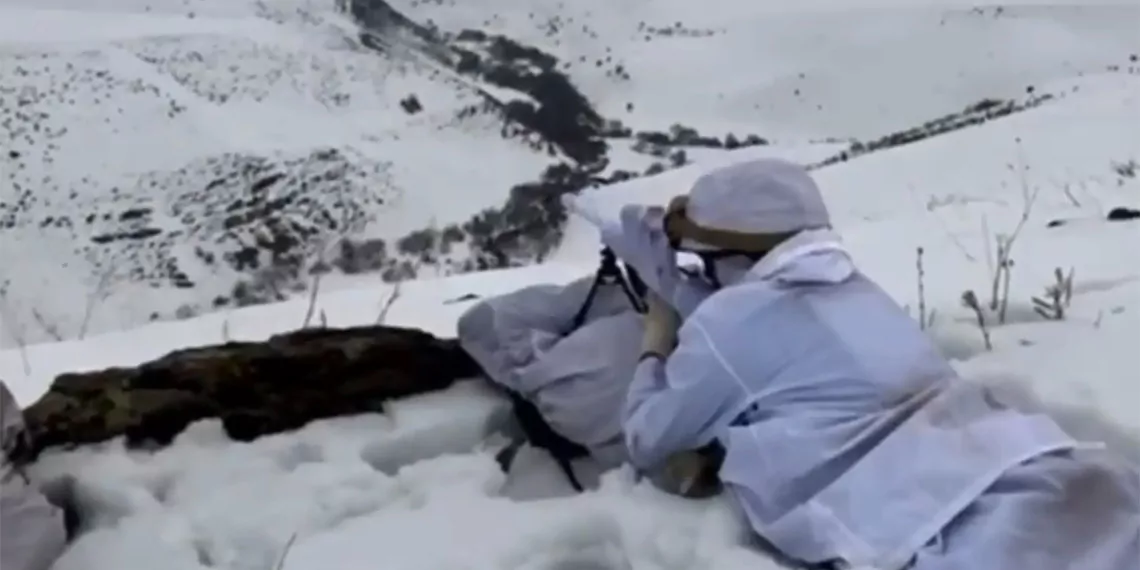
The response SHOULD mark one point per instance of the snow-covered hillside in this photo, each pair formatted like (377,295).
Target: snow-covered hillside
(814,69)
(1058,172)
(155,158)
(165,159)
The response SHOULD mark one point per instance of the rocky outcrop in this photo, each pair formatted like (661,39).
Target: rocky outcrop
(255,388)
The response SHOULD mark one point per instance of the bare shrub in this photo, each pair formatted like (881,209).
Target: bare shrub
(1057,298)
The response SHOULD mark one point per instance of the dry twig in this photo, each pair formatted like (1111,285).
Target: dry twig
(387,306)
(313,292)
(285,552)
(1058,296)
(970,300)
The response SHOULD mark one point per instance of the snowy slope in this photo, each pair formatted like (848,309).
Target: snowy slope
(209,503)
(172,155)
(158,154)
(161,157)
(811,69)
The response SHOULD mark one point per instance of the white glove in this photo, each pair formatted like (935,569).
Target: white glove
(635,234)
(661,325)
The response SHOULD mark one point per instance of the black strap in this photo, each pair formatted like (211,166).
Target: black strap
(539,434)
(534,427)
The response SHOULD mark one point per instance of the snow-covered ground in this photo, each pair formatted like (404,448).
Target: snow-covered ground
(132,126)
(809,69)
(209,503)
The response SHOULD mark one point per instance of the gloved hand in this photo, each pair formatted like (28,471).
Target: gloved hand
(636,235)
(661,325)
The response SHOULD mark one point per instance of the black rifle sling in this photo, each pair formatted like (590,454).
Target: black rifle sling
(534,427)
